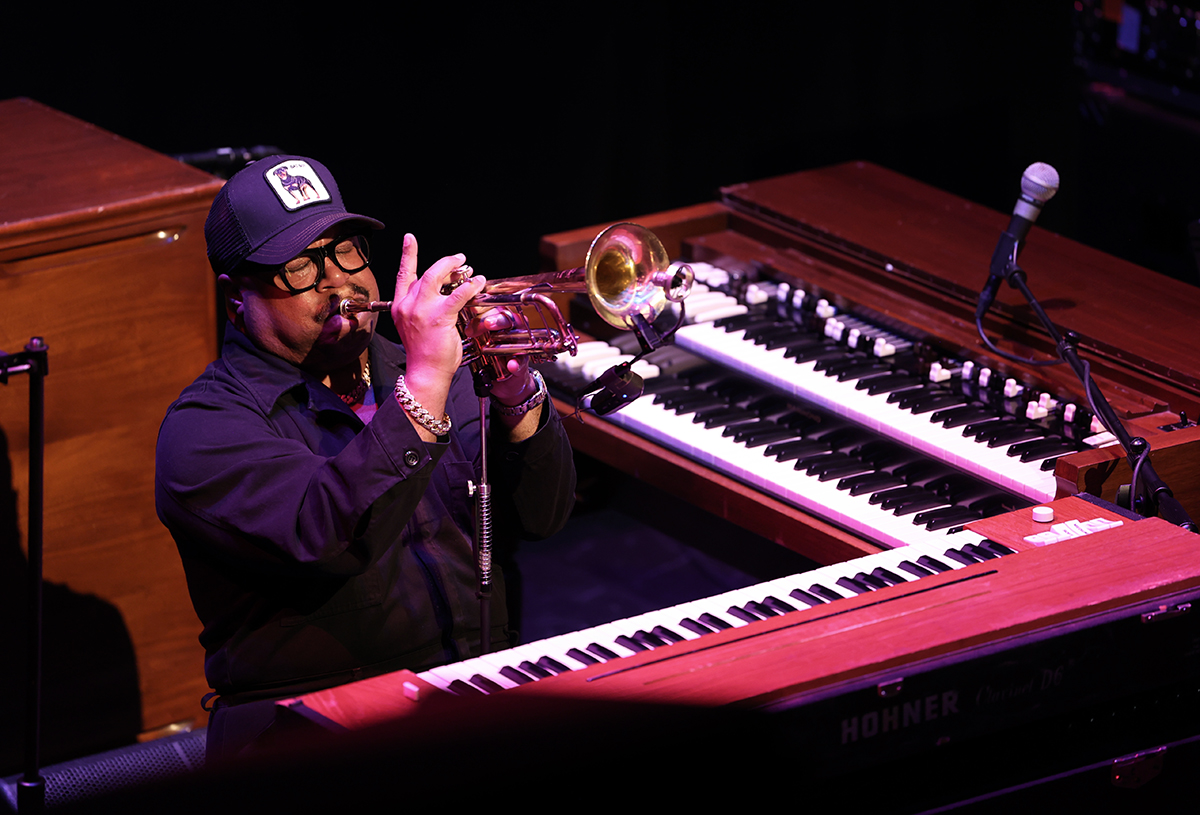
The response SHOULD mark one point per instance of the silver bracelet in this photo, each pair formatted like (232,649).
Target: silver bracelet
(529,404)
(419,414)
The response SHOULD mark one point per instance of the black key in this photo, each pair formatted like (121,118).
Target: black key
(815,460)
(1050,454)
(799,341)
(946,517)
(714,622)
(892,498)
(649,640)
(778,605)
(663,384)
(536,671)
(871,580)
(696,627)
(1015,434)
(600,651)
(728,419)
(1040,448)
(962,557)
(849,359)
(748,320)
(743,614)
(904,398)
(914,569)
(968,415)
(912,506)
(841,470)
(872,482)
(761,609)
(765,435)
(666,634)
(915,506)
(933,403)
(464,689)
(951,414)
(979,552)
(854,585)
(817,352)
(684,406)
(513,675)
(986,426)
(806,598)
(630,643)
(933,564)
(997,547)
(553,665)
(863,370)
(888,577)
(889,384)
(580,656)
(789,450)
(824,592)
(484,684)
(760,335)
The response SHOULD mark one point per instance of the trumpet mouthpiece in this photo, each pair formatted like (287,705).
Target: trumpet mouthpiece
(350,306)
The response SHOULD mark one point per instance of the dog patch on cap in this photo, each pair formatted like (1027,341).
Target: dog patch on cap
(297,184)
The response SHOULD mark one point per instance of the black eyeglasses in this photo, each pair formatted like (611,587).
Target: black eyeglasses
(303,272)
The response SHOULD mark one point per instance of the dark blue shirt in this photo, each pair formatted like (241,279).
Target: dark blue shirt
(318,549)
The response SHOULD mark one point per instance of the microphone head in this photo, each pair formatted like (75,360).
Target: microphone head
(1039,183)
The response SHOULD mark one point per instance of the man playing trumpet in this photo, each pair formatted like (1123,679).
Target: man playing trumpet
(315,477)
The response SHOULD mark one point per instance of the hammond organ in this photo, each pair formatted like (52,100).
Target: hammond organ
(837,333)
(840,306)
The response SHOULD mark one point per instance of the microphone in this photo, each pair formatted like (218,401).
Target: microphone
(617,387)
(1039,183)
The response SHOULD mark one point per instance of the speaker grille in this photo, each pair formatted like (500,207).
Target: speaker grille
(103,773)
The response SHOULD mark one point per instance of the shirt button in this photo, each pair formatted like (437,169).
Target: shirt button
(411,458)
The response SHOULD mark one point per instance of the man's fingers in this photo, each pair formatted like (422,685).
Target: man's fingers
(408,265)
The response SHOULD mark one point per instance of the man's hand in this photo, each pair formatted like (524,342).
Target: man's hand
(427,322)
(517,385)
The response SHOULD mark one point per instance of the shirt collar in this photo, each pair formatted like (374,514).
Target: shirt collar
(269,377)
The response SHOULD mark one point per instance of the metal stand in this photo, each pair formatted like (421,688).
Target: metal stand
(1158,496)
(31,789)
(483,535)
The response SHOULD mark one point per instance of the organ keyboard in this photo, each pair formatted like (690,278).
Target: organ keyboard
(734,609)
(924,647)
(852,290)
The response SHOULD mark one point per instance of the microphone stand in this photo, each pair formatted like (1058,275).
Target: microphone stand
(483,522)
(31,789)
(1137,450)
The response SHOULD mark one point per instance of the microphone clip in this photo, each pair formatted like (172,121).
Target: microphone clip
(612,390)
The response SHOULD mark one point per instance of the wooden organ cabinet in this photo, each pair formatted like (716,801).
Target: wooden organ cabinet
(101,255)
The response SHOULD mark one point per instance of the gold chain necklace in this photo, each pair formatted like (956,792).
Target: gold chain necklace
(355,396)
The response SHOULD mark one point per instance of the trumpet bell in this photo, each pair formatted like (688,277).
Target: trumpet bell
(628,274)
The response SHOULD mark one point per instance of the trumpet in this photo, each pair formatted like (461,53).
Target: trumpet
(626,275)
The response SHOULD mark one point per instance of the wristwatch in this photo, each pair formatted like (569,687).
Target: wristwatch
(529,404)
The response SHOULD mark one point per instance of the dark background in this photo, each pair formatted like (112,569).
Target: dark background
(480,129)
